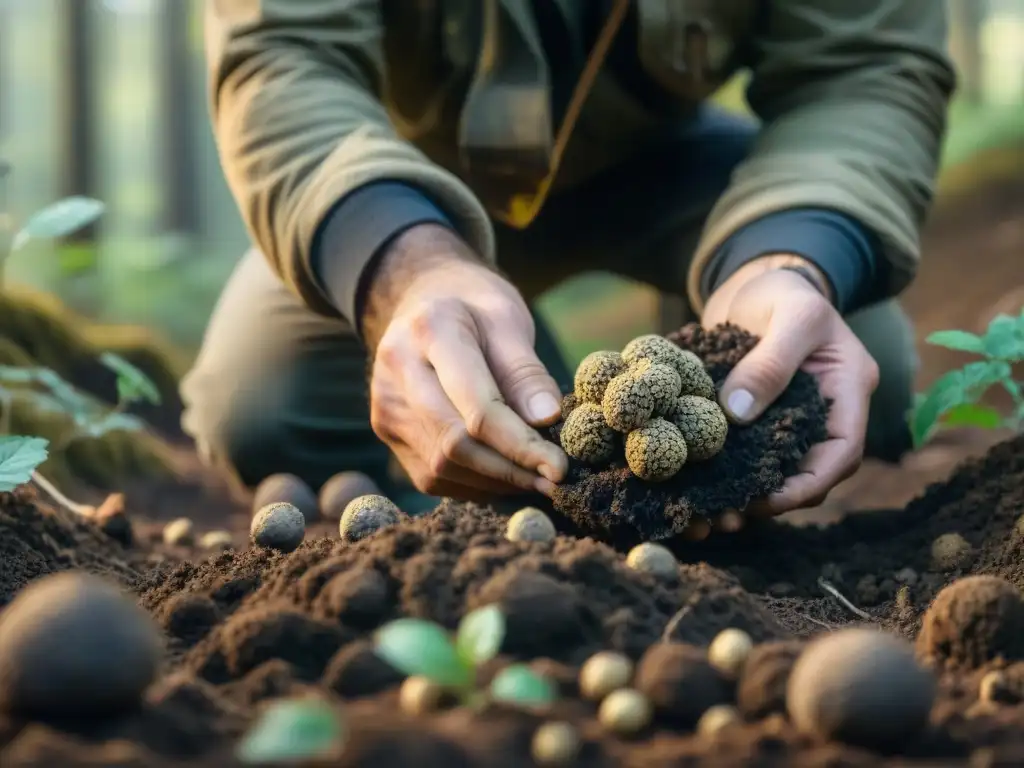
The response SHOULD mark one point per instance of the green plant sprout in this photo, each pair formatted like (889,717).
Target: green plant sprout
(55,221)
(419,647)
(21,456)
(293,730)
(954,398)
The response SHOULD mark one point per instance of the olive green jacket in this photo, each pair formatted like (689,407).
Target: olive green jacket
(312,99)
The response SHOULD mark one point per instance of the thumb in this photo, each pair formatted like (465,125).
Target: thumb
(523,380)
(765,372)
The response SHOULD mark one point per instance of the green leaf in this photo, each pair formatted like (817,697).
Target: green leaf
(59,219)
(520,685)
(480,635)
(946,392)
(292,730)
(973,415)
(979,376)
(418,647)
(961,341)
(132,384)
(1004,339)
(19,457)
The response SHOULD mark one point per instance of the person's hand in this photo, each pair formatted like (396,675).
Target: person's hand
(456,388)
(799,329)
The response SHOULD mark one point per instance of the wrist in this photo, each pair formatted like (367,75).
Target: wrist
(411,257)
(808,270)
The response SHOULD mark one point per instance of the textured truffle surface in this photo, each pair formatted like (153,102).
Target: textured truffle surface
(656,451)
(367,515)
(628,402)
(652,347)
(664,382)
(586,436)
(703,425)
(594,373)
(694,376)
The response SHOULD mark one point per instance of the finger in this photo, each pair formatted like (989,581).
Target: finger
(466,379)
(762,375)
(833,461)
(444,444)
(522,378)
(475,489)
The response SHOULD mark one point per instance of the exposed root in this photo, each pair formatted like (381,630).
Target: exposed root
(55,493)
(828,587)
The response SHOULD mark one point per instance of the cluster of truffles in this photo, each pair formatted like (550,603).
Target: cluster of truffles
(657,395)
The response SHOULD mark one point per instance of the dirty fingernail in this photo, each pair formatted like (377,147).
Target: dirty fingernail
(740,404)
(545,486)
(542,407)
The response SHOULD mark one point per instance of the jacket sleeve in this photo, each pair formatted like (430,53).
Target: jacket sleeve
(853,97)
(295,90)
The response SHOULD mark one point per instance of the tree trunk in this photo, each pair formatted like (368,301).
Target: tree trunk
(178,154)
(78,108)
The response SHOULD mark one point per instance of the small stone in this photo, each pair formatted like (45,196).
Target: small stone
(340,490)
(950,552)
(862,687)
(367,515)
(555,744)
(72,645)
(280,526)
(729,651)
(179,533)
(625,712)
(716,718)
(420,696)
(652,558)
(604,673)
(290,489)
(216,541)
(530,524)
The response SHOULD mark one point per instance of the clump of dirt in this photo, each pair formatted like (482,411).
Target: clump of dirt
(614,505)
(37,540)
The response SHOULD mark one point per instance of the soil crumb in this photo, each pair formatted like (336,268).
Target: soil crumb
(614,505)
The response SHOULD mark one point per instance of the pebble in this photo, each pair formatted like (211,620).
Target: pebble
(341,489)
(419,695)
(366,515)
(860,686)
(216,541)
(555,744)
(729,650)
(179,533)
(73,645)
(716,718)
(603,673)
(625,712)
(530,524)
(279,526)
(287,488)
(950,552)
(652,558)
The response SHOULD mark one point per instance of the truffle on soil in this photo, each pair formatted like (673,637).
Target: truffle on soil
(860,686)
(973,621)
(290,489)
(628,402)
(72,645)
(367,515)
(280,526)
(586,436)
(594,373)
(341,489)
(663,382)
(656,451)
(703,425)
(610,503)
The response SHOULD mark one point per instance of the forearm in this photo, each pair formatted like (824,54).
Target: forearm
(299,125)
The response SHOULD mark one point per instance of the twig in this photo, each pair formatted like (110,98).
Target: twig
(819,622)
(846,603)
(673,624)
(54,493)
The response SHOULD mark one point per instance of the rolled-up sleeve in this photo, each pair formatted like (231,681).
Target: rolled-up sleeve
(853,97)
(295,97)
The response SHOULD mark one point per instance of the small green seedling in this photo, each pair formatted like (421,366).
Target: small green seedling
(19,457)
(419,647)
(293,730)
(57,220)
(953,400)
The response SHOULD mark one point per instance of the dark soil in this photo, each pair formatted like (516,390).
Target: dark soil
(614,505)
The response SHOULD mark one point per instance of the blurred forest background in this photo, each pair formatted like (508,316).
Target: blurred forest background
(107,98)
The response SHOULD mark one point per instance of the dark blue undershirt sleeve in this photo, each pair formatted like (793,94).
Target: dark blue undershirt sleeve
(359,227)
(843,249)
